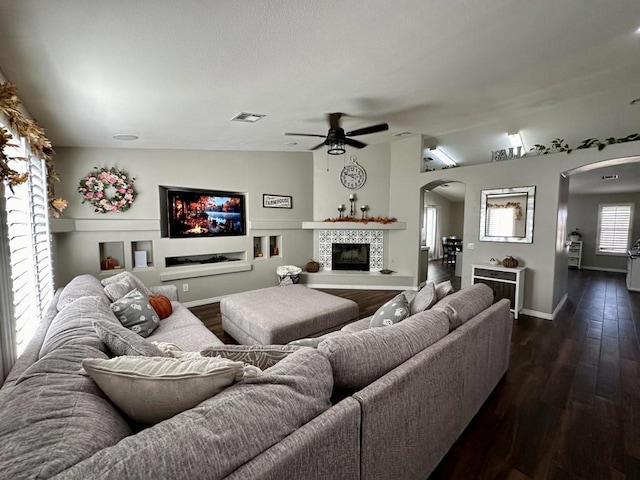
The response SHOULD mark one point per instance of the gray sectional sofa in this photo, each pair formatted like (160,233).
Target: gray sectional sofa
(382,403)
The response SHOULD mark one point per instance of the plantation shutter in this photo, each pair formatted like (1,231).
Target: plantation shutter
(29,246)
(614,228)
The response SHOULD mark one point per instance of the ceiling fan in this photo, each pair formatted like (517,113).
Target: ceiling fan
(336,138)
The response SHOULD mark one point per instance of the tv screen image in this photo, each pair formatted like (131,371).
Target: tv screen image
(200,213)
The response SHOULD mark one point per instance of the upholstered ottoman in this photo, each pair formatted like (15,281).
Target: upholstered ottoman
(277,315)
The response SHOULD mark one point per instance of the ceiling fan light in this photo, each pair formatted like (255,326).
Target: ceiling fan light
(336,147)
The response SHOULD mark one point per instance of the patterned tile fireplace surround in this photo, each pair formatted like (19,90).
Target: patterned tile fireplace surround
(374,238)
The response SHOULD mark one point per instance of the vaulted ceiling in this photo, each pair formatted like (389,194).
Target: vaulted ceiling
(462,73)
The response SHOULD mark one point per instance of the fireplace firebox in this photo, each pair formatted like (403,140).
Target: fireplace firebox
(350,256)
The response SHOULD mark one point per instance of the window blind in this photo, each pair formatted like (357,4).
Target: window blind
(29,245)
(614,228)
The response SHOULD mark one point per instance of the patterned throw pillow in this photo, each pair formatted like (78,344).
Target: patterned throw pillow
(130,278)
(116,290)
(122,341)
(392,312)
(134,312)
(261,356)
(424,299)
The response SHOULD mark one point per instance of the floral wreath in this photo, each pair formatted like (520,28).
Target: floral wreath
(93,188)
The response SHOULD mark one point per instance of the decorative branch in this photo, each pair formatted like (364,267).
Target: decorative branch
(40,145)
(383,220)
(559,145)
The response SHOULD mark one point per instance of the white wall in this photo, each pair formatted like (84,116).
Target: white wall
(583,214)
(545,284)
(254,173)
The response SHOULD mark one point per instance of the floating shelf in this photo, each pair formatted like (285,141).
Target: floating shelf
(353,226)
(204,270)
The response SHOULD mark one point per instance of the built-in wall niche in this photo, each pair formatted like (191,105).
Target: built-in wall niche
(142,254)
(260,247)
(275,245)
(111,256)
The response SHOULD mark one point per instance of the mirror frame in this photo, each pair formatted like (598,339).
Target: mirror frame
(530,192)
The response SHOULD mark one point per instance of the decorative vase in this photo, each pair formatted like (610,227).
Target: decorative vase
(510,262)
(494,262)
(312,266)
(109,264)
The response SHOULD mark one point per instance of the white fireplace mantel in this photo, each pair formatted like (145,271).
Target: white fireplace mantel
(353,226)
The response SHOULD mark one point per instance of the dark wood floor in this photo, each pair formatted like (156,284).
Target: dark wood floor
(568,407)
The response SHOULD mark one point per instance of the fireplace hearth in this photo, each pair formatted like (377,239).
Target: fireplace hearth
(350,256)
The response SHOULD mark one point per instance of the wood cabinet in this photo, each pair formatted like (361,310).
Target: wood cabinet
(575,254)
(505,283)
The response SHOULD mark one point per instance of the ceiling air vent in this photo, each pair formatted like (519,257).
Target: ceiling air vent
(610,177)
(247,117)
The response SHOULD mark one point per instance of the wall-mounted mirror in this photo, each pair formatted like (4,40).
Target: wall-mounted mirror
(506,215)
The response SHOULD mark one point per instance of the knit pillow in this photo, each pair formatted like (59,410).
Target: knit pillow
(122,341)
(424,299)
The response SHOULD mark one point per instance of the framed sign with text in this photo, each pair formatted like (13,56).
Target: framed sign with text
(277,201)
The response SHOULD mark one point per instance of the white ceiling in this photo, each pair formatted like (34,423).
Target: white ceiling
(460,72)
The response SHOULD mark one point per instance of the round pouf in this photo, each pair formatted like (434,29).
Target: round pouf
(288,275)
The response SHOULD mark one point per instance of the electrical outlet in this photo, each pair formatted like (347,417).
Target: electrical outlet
(185,287)
(471,246)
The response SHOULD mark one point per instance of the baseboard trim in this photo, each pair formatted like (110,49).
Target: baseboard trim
(603,269)
(204,301)
(544,315)
(360,287)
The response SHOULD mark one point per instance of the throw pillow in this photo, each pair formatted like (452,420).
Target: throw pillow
(122,341)
(162,306)
(443,289)
(392,312)
(261,356)
(127,277)
(424,299)
(308,342)
(115,291)
(134,312)
(152,389)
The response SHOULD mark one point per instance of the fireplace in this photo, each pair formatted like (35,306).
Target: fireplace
(350,256)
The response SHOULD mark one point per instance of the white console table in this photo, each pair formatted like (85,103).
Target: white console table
(505,283)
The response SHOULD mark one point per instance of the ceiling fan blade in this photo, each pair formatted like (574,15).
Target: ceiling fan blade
(318,146)
(306,135)
(366,130)
(334,120)
(354,143)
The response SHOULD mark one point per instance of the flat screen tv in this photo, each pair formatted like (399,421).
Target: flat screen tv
(189,212)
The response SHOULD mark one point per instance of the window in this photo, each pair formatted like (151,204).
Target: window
(501,222)
(614,228)
(26,237)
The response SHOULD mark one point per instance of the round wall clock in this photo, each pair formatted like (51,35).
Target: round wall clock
(353,176)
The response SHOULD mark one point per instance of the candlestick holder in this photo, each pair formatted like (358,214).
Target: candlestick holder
(341,208)
(352,199)
(364,209)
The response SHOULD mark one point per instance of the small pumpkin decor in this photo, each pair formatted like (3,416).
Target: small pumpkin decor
(510,262)
(162,305)
(312,266)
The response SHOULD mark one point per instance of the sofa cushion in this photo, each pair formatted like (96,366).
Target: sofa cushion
(424,299)
(185,330)
(78,287)
(116,290)
(136,313)
(443,289)
(465,304)
(261,356)
(122,341)
(74,325)
(390,313)
(130,278)
(151,389)
(219,435)
(54,417)
(359,358)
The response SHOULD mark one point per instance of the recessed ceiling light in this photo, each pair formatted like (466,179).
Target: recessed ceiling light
(125,137)
(610,177)
(290,144)
(247,117)
(635,101)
